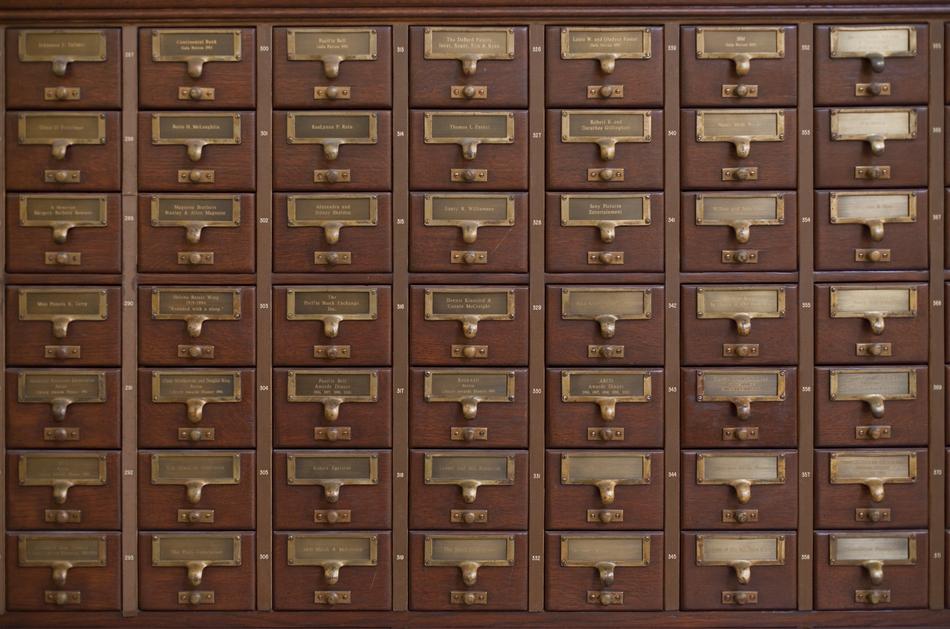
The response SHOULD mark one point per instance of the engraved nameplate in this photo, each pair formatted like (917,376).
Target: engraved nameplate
(726,385)
(740,210)
(861,301)
(865,41)
(189,44)
(319,303)
(725,302)
(484,469)
(76,550)
(62,212)
(332,126)
(597,210)
(486,550)
(331,44)
(445,385)
(725,549)
(316,469)
(206,128)
(888,383)
(857,548)
(210,469)
(318,385)
(64,46)
(468,43)
(332,211)
(598,385)
(873,208)
(480,210)
(757,469)
(213,549)
(316,549)
(880,465)
(726,125)
(64,128)
(196,303)
(619,125)
(68,385)
(622,303)
(52,469)
(195,212)
(591,42)
(192,384)
(860,124)
(485,127)
(729,42)
(456,303)
(588,468)
(619,550)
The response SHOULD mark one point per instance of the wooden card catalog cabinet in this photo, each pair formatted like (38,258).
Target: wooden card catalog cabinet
(63,571)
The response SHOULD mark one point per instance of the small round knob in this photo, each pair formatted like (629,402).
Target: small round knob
(194,598)
(332,598)
(62,352)
(742,256)
(193,516)
(742,517)
(743,174)
(61,176)
(469,517)
(62,258)
(875,255)
(606,91)
(876,172)
(875,432)
(607,433)
(469,598)
(469,91)
(194,93)
(469,257)
(333,434)
(876,349)
(875,516)
(605,598)
(742,350)
(194,435)
(332,352)
(607,174)
(333,92)
(469,351)
(62,517)
(875,88)
(61,93)
(742,434)
(742,91)
(742,598)
(333,176)
(61,598)
(194,257)
(333,258)
(194,176)
(59,434)
(194,351)
(874,598)
(333,517)
(606,517)
(469,174)
(468,434)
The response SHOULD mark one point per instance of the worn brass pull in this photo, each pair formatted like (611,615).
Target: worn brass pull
(195,408)
(194,489)
(60,326)
(196,67)
(60,571)
(331,491)
(331,326)
(194,324)
(876,319)
(743,323)
(331,408)
(744,174)
(743,407)
(196,571)
(608,149)
(743,64)
(877,144)
(469,490)
(331,571)
(195,149)
(743,146)
(876,403)
(469,572)
(469,64)
(608,325)
(469,148)
(331,65)
(875,229)
(608,491)
(59,406)
(875,568)
(876,60)
(608,408)
(605,569)
(742,91)
(876,487)
(743,570)
(608,231)
(193,233)
(60,66)
(331,149)
(61,491)
(743,490)
(331,232)
(58,149)
(469,407)
(470,326)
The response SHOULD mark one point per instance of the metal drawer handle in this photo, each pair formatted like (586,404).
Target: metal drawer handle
(875,569)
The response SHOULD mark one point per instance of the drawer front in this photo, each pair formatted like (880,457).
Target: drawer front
(729,66)
(474,150)
(870,231)
(874,64)
(739,490)
(474,490)
(341,489)
(63,490)
(196,490)
(871,323)
(196,233)
(196,326)
(468,408)
(460,232)
(63,233)
(491,61)
(717,231)
(604,66)
(332,232)
(468,571)
(870,489)
(737,149)
(594,489)
(333,408)
(197,408)
(739,407)
(70,151)
(604,571)
(608,326)
(63,326)
(51,68)
(895,576)
(196,68)
(604,408)
(604,149)
(168,583)
(330,67)
(176,157)
(477,326)
(332,150)
(604,232)
(748,324)
(333,571)
(871,406)
(332,325)
(93,582)
(882,147)
(738,571)
(63,409)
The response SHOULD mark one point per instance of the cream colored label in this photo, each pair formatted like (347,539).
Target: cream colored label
(315,549)
(887,466)
(593,550)
(872,206)
(740,301)
(895,383)
(884,41)
(728,209)
(733,124)
(722,467)
(858,548)
(590,303)
(457,549)
(861,301)
(726,549)
(865,122)
(596,467)
(736,384)
(461,467)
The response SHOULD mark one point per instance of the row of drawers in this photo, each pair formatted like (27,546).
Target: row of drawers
(751,324)
(475,67)
(452,489)
(584,571)
(477,150)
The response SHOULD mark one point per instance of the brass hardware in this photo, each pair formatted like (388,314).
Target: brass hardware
(60,130)
(468,175)
(740,127)
(605,174)
(61,471)
(62,516)
(872,255)
(740,551)
(604,91)
(332,516)
(606,128)
(742,90)
(332,389)
(740,256)
(195,93)
(332,92)
(468,597)
(331,129)
(469,129)
(468,516)
(62,597)
(874,43)
(605,516)
(740,597)
(606,306)
(873,209)
(196,351)
(605,211)
(195,471)
(605,470)
(195,388)
(605,257)
(872,515)
(873,469)
(61,93)
(740,387)
(195,306)
(873,551)
(872,349)
(62,306)
(195,552)
(872,89)
(872,172)
(874,126)
(874,386)
(195,258)
(740,433)
(195,213)
(335,433)
(469,212)
(62,352)
(740,211)
(604,597)
(60,47)
(745,173)
(62,258)
(872,433)
(196,597)
(62,176)
(742,304)
(195,434)
(469,387)
(62,213)
(740,44)
(874,303)
(196,47)
(60,389)
(61,553)
(872,597)
(196,516)
(331,352)
(469,257)
(605,351)
(331,46)
(605,553)
(468,470)
(606,388)
(332,258)
(595,433)
(196,175)
(332,471)
(468,433)
(740,516)
(332,597)
(196,130)
(332,175)
(740,470)
(606,45)
(468,45)
(469,552)
(469,306)
(331,305)
(60,433)
(469,92)
(332,212)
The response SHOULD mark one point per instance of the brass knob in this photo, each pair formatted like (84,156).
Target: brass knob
(876,143)
(331,571)
(60,65)
(874,597)
(333,517)
(743,174)
(194,598)
(333,92)
(194,257)
(607,325)
(333,434)
(875,88)
(606,91)
(468,434)
(743,434)
(875,255)
(333,176)
(743,351)
(742,256)
(470,257)
(469,91)
(469,572)
(607,433)
(742,598)
(331,150)
(743,64)
(877,61)
(607,174)
(61,598)
(469,517)
(742,91)
(469,598)
(62,258)
(332,352)
(194,176)
(332,598)
(606,517)
(195,93)
(874,515)
(333,258)
(194,351)
(195,435)
(62,352)
(876,349)
(469,174)
(875,432)
(59,149)
(61,93)
(59,434)
(742,517)
(61,176)
(743,405)
(194,516)
(605,598)
(875,172)
(62,517)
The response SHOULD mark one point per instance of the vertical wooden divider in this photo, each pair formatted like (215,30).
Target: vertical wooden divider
(129,314)
(400,317)
(935,217)
(536,358)
(671,364)
(264,371)
(3,339)
(806,316)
